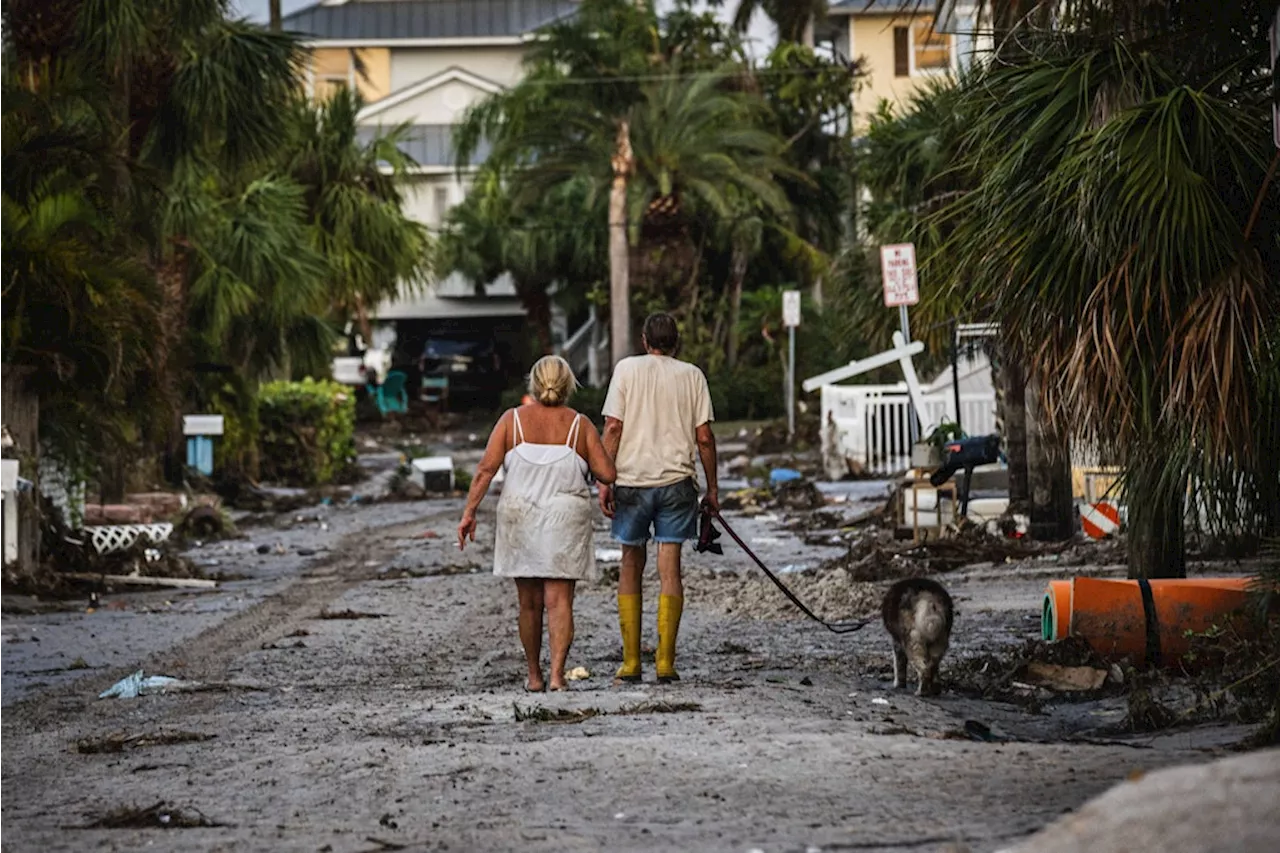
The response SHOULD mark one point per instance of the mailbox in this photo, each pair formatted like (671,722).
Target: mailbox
(967,453)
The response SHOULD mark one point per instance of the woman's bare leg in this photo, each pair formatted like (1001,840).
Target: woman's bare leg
(531,604)
(559,597)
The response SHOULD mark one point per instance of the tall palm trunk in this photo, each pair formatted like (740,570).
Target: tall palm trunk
(275,17)
(171,275)
(1156,520)
(737,274)
(537,305)
(619,273)
(1048,473)
(1011,385)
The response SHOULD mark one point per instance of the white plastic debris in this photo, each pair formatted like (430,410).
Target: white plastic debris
(879,701)
(137,685)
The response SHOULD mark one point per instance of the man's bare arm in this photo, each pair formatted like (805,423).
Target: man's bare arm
(707,452)
(612,440)
(612,437)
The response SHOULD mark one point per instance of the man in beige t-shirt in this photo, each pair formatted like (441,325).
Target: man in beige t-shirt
(657,418)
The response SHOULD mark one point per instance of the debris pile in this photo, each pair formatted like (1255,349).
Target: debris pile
(159,816)
(771,438)
(833,595)
(876,556)
(1034,672)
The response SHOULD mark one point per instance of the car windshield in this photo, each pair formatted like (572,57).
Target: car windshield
(445,348)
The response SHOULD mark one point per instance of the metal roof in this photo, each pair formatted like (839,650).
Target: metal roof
(428,144)
(881,7)
(427,19)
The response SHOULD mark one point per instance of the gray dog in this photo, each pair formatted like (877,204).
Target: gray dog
(917,614)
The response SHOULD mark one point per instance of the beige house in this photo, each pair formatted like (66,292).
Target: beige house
(901,51)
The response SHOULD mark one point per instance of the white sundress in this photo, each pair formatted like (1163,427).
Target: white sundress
(545,511)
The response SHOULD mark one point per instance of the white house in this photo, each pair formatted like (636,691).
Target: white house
(425,62)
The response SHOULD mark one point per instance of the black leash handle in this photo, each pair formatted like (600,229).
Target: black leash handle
(837,628)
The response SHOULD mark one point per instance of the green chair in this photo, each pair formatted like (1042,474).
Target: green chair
(392,396)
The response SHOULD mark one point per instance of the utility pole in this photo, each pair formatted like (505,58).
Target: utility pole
(619,274)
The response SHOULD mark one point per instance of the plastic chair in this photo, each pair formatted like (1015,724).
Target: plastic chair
(392,396)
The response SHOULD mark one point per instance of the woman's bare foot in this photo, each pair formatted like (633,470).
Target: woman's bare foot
(558,684)
(535,684)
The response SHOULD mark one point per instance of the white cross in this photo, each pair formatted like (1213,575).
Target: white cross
(901,353)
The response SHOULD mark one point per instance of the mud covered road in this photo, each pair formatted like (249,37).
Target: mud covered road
(409,728)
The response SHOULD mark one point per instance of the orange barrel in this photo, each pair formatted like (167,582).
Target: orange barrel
(1148,620)
(1055,617)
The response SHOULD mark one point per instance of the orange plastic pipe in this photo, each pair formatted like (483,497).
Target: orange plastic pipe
(1055,621)
(1112,616)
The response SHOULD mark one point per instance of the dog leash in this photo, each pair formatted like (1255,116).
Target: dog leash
(707,536)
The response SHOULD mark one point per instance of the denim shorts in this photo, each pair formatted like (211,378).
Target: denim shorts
(671,511)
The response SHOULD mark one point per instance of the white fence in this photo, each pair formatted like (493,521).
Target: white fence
(867,427)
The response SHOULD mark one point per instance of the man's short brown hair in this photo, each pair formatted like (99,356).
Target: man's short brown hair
(662,333)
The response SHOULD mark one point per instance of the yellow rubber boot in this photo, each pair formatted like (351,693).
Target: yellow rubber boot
(629,609)
(669,610)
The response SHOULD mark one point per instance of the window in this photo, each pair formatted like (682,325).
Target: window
(932,49)
(331,70)
(441,203)
(918,49)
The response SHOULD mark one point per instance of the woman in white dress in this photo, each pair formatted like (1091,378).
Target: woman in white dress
(544,534)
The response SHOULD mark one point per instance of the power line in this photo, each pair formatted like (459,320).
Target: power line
(849,66)
(581,227)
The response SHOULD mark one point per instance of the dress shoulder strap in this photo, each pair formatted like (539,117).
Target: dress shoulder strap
(572,440)
(519,430)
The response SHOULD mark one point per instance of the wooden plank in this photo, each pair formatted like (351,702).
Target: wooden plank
(141,580)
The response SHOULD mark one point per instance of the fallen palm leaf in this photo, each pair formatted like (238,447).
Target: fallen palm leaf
(120,742)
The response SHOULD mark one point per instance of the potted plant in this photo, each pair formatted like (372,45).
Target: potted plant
(927,453)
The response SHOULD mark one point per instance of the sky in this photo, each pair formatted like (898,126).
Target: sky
(760,37)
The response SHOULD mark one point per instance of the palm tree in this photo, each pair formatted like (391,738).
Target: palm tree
(81,308)
(664,153)
(792,17)
(1123,230)
(488,236)
(699,152)
(582,77)
(189,94)
(911,164)
(354,202)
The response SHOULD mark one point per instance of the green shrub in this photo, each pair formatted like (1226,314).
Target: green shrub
(306,432)
(748,393)
(235,452)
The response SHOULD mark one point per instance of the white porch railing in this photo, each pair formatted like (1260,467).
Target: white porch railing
(583,351)
(867,425)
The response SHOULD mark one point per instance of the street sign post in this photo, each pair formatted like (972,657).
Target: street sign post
(898,270)
(791,319)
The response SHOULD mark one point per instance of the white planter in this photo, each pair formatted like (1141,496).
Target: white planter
(925,456)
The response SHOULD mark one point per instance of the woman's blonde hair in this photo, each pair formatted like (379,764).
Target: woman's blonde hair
(552,381)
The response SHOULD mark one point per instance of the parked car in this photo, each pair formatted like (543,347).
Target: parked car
(473,367)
